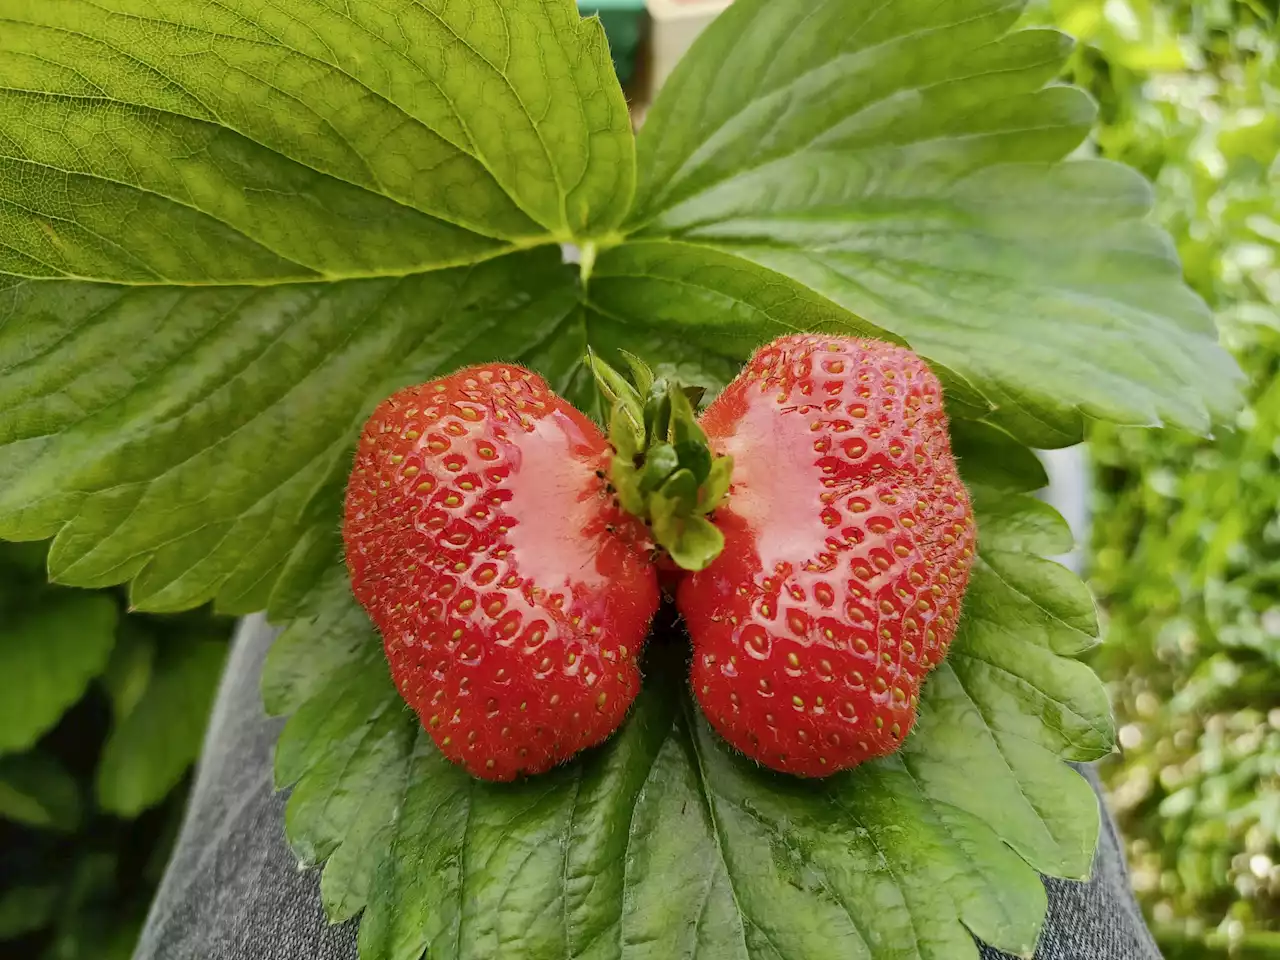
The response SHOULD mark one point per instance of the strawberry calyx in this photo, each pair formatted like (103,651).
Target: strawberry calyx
(663,469)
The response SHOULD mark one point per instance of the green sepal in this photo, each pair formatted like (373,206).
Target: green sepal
(699,543)
(626,484)
(716,486)
(684,422)
(664,470)
(657,411)
(640,372)
(626,435)
(626,408)
(661,461)
(679,495)
(613,385)
(692,541)
(694,395)
(694,457)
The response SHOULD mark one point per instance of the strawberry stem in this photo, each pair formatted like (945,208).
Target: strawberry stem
(663,468)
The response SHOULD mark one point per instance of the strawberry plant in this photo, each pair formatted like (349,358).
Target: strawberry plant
(232,230)
(101,715)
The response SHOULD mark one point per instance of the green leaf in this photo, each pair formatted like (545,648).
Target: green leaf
(38,791)
(709,310)
(154,744)
(217,221)
(664,842)
(693,543)
(251,142)
(128,673)
(902,160)
(328,671)
(717,484)
(1042,598)
(26,559)
(24,910)
(660,462)
(1017,522)
(49,651)
(990,457)
(711,300)
(196,441)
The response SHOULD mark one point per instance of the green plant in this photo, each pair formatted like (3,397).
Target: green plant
(231,229)
(101,715)
(1185,550)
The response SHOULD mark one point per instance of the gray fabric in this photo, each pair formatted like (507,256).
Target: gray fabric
(233,890)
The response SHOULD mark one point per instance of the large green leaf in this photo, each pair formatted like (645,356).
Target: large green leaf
(281,207)
(50,649)
(665,843)
(152,744)
(901,159)
(246,141)
(206,460)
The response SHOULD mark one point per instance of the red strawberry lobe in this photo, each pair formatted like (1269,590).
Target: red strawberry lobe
(512,595)
(848,543)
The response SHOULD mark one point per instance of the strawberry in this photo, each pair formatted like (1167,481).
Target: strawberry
(512,593)
(848,542)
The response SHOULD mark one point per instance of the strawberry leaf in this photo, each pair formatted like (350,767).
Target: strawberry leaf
(990,457)
(248,142)
(49,651)
(152,744)
(326,818)
(665,839)
(901,160)
(36,790)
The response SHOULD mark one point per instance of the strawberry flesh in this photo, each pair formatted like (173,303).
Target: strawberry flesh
(848,543)
(512,594)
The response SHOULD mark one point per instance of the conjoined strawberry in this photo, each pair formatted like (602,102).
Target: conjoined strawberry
(848,542)
(513,595)
(509,554)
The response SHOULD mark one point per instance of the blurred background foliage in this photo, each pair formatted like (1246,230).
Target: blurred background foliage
(1185,548)
(102,713)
